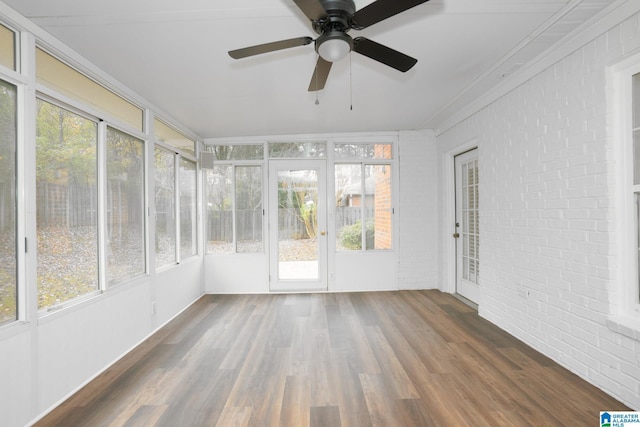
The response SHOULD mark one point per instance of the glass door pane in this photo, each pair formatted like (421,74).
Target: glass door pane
(298,224)
(297,213)
(467,226)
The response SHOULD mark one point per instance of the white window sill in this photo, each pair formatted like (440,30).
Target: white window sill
(625,325)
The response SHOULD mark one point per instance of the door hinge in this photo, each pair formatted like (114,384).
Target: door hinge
(25,245)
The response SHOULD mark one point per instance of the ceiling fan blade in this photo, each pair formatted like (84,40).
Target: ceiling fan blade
(384,54)
(312,8)
(320,75)
(269,47)
(381,10)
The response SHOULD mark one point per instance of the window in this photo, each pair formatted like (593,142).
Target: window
(7,48)
(625,103)
(8,226)
(233,193)
(57,75)
(636,177)
(219,196)
(364,206)
(187,186)
(234,209)
(125,206)
(297,150)
(237,152)
(170,136)
(363,151)
(167,184)
(248,208)
(165,205)
(469,216)
(67,196)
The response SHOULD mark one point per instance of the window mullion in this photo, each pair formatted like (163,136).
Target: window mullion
(233,210)
(176,195)
(363,210)
(102,206)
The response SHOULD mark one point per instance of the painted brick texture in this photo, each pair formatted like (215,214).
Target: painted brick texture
(418,211)
(548,214)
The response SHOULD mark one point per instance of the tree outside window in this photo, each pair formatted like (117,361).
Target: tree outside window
(8,256)
(125,207)
(66,195)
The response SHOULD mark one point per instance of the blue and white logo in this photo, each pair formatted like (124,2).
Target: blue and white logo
(619,419)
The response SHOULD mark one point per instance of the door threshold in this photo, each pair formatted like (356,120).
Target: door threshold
(467,301)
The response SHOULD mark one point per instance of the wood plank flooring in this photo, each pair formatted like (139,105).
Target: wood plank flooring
(408,358)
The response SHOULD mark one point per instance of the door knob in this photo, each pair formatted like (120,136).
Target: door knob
(322,233)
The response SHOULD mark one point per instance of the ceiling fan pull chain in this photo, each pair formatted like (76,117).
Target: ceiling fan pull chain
(350,83)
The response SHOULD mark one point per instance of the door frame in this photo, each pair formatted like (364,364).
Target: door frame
(274,284)
(466,289)
(449,213)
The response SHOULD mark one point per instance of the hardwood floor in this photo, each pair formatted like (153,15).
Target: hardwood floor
(408,358)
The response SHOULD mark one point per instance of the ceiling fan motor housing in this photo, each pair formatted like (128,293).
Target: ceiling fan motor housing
(339,13)
(333,29)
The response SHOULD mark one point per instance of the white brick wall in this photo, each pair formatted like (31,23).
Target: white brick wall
(418,211)
(548,214)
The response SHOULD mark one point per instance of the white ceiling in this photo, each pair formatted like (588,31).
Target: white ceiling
(174,54)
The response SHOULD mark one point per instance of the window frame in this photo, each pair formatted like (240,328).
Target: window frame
(627,297)
(86,111)
(100,248)
(19,226)
(158,140)
(633,192)
(16,50)
(176,201)
(103,141)
(195,240)
(234,164)
(363,164)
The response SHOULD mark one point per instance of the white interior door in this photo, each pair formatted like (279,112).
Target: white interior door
(467,226)
(297,225)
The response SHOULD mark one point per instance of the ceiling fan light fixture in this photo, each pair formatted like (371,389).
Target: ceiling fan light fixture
(332,46)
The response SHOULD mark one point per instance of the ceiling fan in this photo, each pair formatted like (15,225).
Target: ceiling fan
(332,19)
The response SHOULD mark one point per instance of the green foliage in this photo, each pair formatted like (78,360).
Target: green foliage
(302,198)
(55,288)
(7,295)
(307,213)
(65,146)
(351,235)
(7,201)
(124,156)
(7,131)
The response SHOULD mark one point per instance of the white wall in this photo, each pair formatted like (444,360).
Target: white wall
(418,251)
(548,213)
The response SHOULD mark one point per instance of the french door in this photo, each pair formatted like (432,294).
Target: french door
(297,225)
(467,226)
